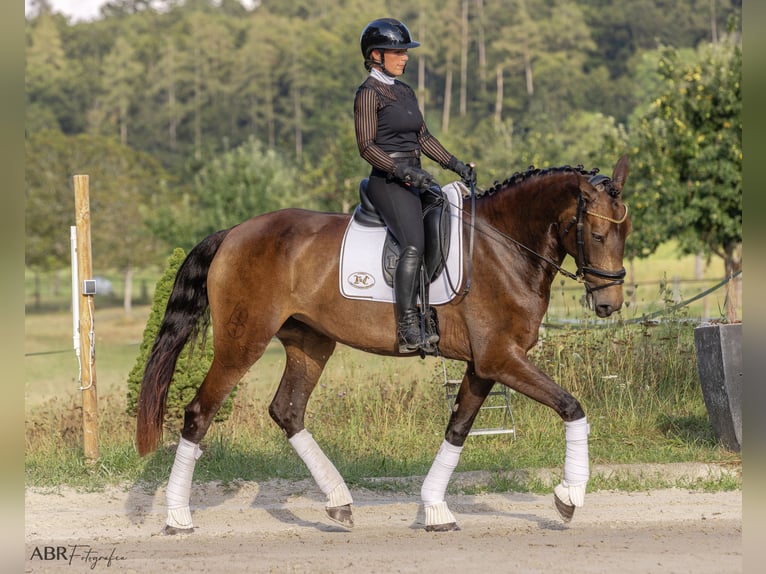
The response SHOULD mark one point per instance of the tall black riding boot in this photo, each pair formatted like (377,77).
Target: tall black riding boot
(406,279)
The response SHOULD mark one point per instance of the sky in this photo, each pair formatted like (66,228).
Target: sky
(77,10)
(82,10)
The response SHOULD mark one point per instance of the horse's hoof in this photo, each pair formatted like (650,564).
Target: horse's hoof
(342,515)
(172,530)
(566,511)
(449,527)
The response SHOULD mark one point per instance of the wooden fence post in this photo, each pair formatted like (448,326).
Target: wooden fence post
(87,310)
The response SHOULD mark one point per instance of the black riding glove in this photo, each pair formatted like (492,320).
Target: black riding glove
(466,172)
(416,177)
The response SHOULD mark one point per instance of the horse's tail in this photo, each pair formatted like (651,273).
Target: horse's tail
(185,317)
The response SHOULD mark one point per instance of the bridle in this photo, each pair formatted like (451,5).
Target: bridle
(583,267)
(581,260)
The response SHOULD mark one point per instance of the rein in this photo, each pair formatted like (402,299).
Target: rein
(470,238)
(583,268)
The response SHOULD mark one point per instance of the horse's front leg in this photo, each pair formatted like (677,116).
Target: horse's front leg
(307,353)
(471,395)
(520,374)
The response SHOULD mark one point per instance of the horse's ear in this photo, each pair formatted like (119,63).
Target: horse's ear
(620,173)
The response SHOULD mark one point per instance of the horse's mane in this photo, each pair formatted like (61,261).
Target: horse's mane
(532,172)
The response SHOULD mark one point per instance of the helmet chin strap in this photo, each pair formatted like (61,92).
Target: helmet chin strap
(382,64)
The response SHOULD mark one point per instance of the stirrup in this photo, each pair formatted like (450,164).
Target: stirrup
(431,327)
(408,333)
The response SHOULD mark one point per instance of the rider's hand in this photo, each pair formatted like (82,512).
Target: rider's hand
(466,172)
(416,177)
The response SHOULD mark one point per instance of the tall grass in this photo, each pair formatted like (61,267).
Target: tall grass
(377,417)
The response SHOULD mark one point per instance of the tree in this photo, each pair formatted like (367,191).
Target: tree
(236,185)
(50,78)
(124,186)
(688,169)
(122,72)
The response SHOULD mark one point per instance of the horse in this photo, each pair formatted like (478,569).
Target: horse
(277,274)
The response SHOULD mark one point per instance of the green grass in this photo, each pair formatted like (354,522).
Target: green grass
(378,417)
(385,417)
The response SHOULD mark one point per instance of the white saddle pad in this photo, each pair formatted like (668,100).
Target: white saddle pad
(361,268)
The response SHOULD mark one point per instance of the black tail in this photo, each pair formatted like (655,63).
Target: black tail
(185,317)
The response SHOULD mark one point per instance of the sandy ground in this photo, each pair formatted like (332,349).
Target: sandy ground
(281,526)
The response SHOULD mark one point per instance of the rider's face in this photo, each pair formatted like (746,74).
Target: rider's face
(395,62)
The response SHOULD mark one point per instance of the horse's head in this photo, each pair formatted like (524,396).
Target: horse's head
(595,237)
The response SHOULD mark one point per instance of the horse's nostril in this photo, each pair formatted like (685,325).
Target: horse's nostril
(604,310)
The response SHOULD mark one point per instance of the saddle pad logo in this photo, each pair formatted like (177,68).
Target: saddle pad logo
(361,280)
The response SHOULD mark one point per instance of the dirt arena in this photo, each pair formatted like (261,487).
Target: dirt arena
(280,526)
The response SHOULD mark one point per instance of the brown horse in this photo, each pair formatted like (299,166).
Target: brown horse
(276,275)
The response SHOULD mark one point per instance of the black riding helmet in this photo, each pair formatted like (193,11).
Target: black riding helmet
(384,34)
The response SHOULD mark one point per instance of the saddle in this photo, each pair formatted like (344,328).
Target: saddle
(436,223)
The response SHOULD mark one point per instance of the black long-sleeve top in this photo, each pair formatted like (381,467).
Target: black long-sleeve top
(387,119)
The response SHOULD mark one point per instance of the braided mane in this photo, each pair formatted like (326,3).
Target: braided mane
(532,172)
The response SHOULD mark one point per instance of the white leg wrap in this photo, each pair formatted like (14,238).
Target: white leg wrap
(324,472)
(576,464)
(179,484)
(435,485)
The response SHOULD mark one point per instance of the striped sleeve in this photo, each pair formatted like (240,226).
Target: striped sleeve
(432,148)
(365,124)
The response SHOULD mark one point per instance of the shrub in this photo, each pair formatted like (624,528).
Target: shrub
(193,362)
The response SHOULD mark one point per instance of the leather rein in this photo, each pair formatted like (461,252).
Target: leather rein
(581,260)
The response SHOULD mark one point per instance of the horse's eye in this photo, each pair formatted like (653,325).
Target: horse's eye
(597,237)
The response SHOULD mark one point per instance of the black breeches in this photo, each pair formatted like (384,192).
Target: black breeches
(401,210)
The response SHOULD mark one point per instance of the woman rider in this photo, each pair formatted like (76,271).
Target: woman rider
(391,134)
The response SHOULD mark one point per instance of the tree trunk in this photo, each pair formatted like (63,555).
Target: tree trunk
(699,268)
(298,123)
(482,48)
(447,98)
(733,264)
(464,60)
(124,124)
(528,70)
(197,106)
(127,299)
(38,294)
(173,123)
(422,69)
(499,95)
(172,118)
(270,115)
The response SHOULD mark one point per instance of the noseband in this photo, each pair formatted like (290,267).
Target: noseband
(583,267)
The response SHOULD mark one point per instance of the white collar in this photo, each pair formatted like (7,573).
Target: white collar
(381,77)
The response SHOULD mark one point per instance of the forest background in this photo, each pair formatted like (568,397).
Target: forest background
(190,116)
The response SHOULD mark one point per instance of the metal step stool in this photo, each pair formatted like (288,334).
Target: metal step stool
(499,399)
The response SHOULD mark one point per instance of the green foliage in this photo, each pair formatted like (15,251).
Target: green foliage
(124,184)
(193,362)
(544,82)
(238,184)
(689,152)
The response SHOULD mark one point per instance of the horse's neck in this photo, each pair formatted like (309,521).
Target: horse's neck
(529,215)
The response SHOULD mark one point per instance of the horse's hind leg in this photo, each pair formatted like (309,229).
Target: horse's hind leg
(218,383)
(307,353)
